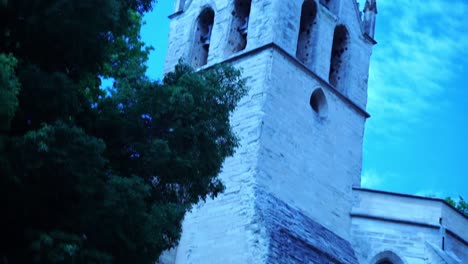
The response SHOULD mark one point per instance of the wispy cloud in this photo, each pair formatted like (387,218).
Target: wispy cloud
(418,55)
(430,193)
(371,179)
(374,179)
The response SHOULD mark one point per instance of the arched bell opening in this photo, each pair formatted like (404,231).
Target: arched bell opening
(339,56)
(386,257)
(237,40)
(306,39)
(202,38)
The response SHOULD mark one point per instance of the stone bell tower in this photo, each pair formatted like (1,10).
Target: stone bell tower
(289,185)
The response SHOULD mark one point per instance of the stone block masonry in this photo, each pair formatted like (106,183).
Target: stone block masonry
(292,191)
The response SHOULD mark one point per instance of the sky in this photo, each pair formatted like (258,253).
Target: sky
(416,139)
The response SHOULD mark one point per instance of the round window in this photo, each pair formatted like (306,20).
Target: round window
(318,102)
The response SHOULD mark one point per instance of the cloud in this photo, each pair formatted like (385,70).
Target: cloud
(430,193)
(371,179)
(421,45)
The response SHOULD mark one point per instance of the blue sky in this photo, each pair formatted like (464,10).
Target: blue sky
(416,140)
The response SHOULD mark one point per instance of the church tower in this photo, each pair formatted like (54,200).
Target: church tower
(288,194)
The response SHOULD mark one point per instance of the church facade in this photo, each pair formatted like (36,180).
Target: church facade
(293,190)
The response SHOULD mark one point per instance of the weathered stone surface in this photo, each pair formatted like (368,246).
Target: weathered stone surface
(295,238)
(417,229)
(289,187)
(308,161)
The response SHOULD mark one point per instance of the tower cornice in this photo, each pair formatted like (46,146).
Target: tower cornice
(293,59)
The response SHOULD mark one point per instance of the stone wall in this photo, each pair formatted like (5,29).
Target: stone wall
(280,26)
(224,230)
(305,160)
(295,238)
(308,160)
(280,134)
(288,197)
(417,229)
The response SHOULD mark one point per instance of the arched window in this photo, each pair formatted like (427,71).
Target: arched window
(339,56)
(386,257)
(239,28)
(202,37)
(385,261)
(306,38)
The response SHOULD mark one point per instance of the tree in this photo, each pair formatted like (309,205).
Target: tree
(93,176)
(461,205)
(9,88)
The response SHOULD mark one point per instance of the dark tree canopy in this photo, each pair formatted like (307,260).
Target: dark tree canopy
(93,176)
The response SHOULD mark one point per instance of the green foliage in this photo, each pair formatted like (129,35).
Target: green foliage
(90,178)
(182,122)
(461,205)
(9,88)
